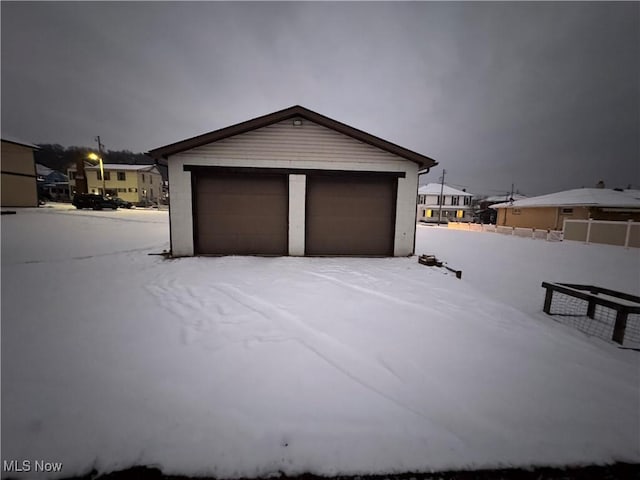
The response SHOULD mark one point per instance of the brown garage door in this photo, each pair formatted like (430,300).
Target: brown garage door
(350,215)
(241,214)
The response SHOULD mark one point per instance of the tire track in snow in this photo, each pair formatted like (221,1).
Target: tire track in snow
(368,373)
(482,427)
(345,356)
(368,291)
(206,317)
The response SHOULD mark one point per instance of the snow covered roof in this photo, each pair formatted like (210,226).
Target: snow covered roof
(434,189)
(632,193)
(120,166)
(588,197)
(17,141)
(42,170)
(505,197)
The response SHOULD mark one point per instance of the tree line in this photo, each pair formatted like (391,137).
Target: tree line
(60,158)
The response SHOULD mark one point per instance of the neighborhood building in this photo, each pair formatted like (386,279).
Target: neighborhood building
(456,204)
(293,182)
(18,174)
(138,184)
(484,212)
(550,211)
(52,184)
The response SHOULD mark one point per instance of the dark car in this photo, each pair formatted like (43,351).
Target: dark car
(91,200)
(121,203)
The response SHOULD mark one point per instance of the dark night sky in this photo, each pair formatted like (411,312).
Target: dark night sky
(543,95)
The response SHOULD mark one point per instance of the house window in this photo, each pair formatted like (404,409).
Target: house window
(122,176)
(438,199)
(460,214)
(567,211)
(150,179)
(455,200)
(120,189)
(133,190)
(143,178)
(467,200)
(99,175)
(107,175)
(429,213)
(72,175)
(516,211)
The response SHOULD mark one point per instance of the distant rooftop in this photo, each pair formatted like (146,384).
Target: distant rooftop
(42,170)
(587,197)
(434,189)
(17,141)
(505,197)
(631,192)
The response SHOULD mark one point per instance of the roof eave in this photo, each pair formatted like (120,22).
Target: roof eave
(565,205)
(22,144)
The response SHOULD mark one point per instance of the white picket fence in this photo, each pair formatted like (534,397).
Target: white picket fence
(548,235)
(624,234)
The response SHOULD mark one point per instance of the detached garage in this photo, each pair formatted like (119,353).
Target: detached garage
(293,182)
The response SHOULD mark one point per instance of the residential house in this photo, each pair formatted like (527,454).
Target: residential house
(456,204)
(485,214)
(139,184)
(293,182)
(18,174)
(52,185)
(550,211)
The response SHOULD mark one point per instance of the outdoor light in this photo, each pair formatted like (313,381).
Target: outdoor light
(93,156)
(297,122)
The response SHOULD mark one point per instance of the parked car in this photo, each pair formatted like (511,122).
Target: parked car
(91,200)
(121,203)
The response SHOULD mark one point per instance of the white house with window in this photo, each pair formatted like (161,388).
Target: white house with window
(139,184)
(456,204)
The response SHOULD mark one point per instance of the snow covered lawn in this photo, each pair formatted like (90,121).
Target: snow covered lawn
(242,366)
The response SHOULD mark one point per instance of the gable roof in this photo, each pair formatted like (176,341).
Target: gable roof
(579,197)
(43,170)
(434,189)
(296,111)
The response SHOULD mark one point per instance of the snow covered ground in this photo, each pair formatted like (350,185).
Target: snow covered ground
(242,366)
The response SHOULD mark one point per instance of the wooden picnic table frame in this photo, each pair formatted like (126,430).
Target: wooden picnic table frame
(590,293)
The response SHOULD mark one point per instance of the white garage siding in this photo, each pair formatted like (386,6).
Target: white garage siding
(286,146)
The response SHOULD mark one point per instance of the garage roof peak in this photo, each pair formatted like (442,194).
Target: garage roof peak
(166,151)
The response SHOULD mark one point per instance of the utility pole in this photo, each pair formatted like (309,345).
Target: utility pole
(441,197)
(104,188)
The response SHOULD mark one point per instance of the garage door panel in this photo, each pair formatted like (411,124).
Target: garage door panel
(227,226)
(246,203)
(350,215)
(241,214)
(241,244)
